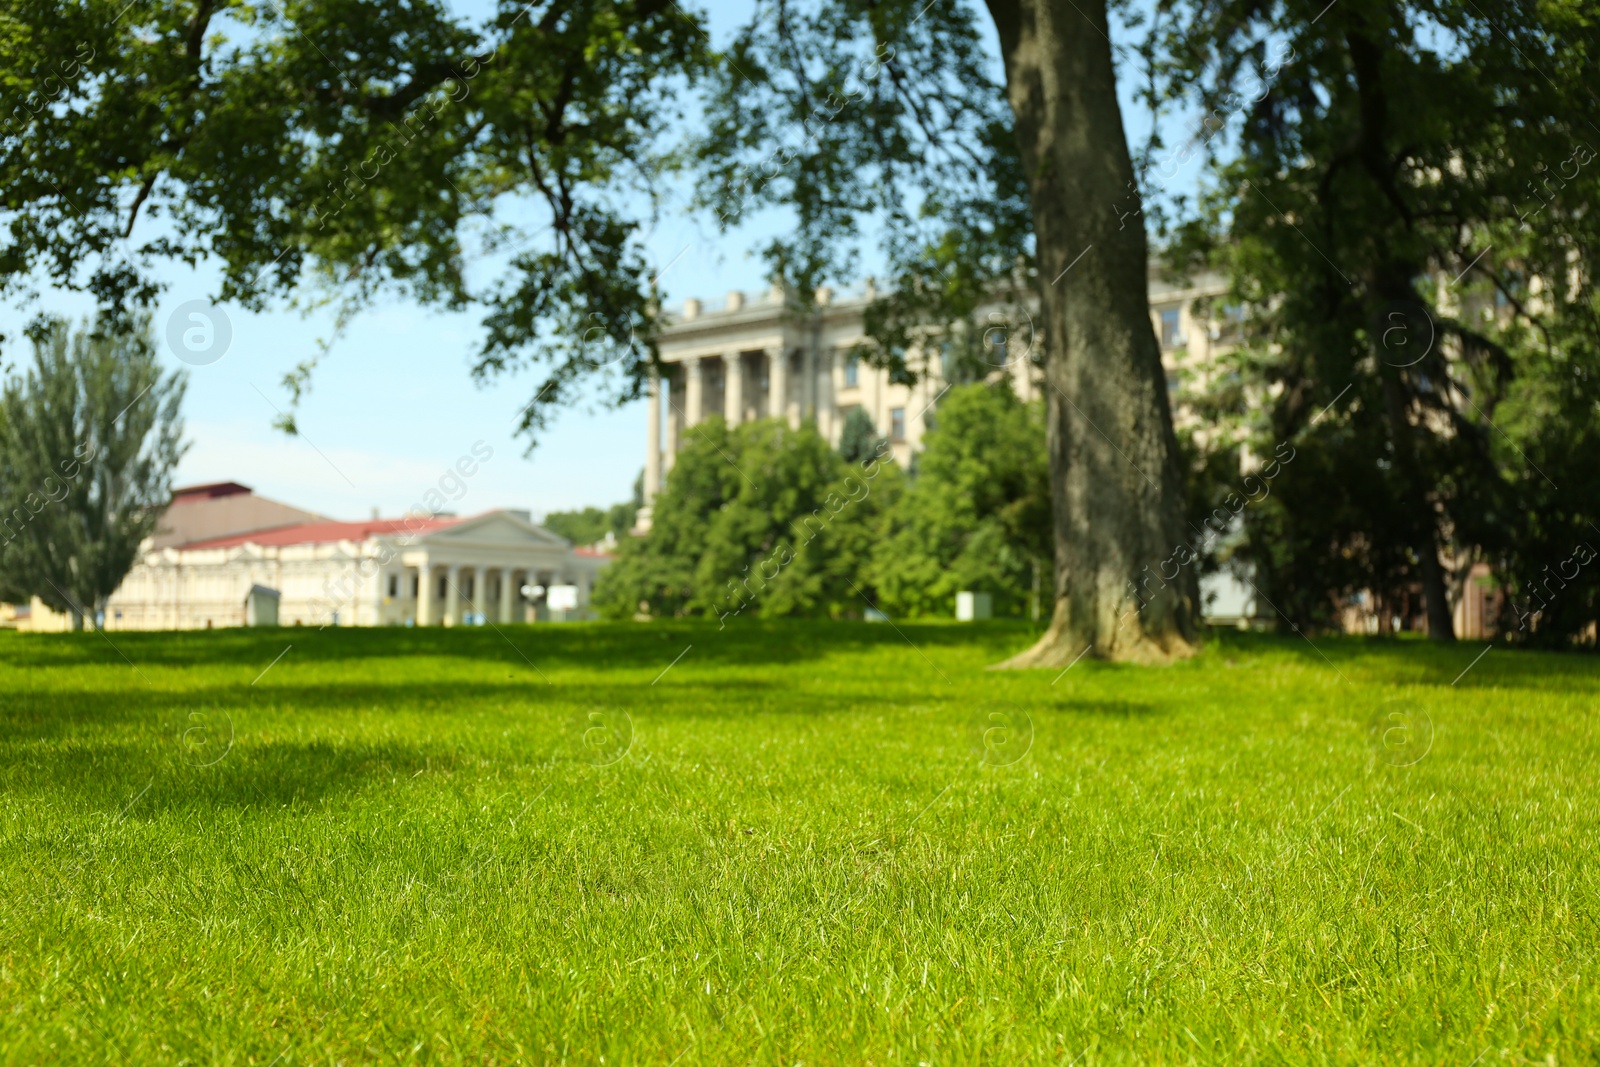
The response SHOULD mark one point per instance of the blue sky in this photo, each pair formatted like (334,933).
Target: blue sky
(393,405)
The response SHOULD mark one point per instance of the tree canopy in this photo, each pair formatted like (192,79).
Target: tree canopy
(976,513)
(589,525)
(347,148)
(762,520)
(1409,218)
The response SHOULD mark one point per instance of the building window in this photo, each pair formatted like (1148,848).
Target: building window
(1170,337)
(1227,324)
(852,373)
(897,424)
(444,586)
(994,339)
(394,585)
(416,582)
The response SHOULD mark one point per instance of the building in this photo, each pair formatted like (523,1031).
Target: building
(218,509)
(423,570)
(754,357)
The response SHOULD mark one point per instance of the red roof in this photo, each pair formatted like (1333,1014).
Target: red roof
(319,533)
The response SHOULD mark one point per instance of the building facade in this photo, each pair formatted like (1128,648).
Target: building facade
(498,567)
(755,358)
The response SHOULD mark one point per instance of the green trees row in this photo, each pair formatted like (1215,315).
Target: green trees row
(769,521)
(589,525)
(89,436)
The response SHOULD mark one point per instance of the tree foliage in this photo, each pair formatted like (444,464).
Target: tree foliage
(347,148)
(847,112)
(1410,216)
(89,437)
(859,439)
(591,524)
(976,514)
(763,519)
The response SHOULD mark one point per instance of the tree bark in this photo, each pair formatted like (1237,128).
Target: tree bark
(1425,520)
(1125,585)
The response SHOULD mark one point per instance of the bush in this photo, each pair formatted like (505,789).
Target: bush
(976,515)
(762,519)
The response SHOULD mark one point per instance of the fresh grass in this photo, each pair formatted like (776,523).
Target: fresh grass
(813,849)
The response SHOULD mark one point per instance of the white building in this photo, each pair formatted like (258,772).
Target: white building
(498,567)
(755,358)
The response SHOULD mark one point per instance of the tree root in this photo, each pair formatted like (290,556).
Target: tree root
(1061,646)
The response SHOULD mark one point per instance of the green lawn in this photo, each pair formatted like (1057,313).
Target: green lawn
(805,842)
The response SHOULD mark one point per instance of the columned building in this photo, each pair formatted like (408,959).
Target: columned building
(219,549)
(756,357)
(383,572)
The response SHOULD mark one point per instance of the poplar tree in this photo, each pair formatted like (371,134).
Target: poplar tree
(89,437)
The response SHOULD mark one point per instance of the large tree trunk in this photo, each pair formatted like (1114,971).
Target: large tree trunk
(1425,519)
(1121,591)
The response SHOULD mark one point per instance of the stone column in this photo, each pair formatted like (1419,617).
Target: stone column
(693,392)
(652,448)
(674,420)
(825,406)
(777,383)
(508,593)
(452,595)
(425,592)
(669,456)
(733,389)
(808,387)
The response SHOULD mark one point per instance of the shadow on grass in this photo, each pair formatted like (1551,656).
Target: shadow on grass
(136,782)
(1414,661)
(148,713)
(585,645)
(389,665)
(1110,709)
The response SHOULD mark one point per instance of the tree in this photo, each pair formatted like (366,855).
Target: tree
(1410,213)
(854,109)
(88,441)
(762,520)
(335,149)
(356,141)
(591,524)
(858,438)
(976,514)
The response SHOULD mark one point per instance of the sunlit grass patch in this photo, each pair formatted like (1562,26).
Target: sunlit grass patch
(781,843)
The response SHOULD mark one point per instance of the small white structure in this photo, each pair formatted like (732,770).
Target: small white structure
(1225,600)
(971,606)
(562,600)
(261,606)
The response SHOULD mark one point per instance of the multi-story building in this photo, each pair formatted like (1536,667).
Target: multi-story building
(755,357)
